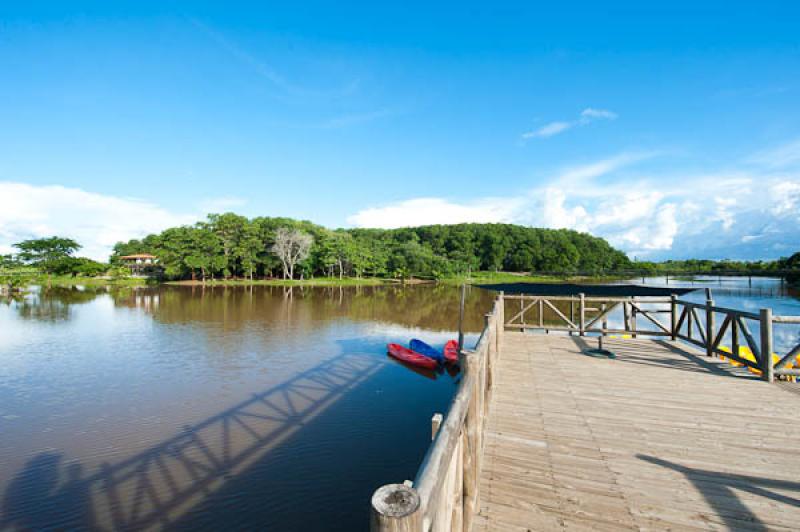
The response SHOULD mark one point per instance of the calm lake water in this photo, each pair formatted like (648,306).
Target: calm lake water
(230,408)
(238,408)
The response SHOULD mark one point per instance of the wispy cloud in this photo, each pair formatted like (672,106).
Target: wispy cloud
(573,175)
(548,130)
(354,119)
(783,156)
(268,72)
(587,116)
(222,204)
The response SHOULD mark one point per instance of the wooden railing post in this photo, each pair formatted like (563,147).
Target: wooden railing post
(673,315)
(500,318)
(582,314)
(436,423)
(471,449)
(767,371)
(605,320)
(461,317)
(395,508)
(710,332)
(571,313)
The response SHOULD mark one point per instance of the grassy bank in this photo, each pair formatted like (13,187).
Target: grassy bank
(473,278)
(507,277)
(68,280)
(321,281)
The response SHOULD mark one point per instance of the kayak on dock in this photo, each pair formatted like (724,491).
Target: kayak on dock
(451,351)
(407,355)
(424,349)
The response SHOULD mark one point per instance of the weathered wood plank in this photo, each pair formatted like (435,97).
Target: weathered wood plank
(658,439)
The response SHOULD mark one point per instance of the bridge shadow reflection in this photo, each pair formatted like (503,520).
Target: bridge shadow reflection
(159,486)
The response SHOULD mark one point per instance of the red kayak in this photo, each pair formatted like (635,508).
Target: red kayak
(451,351)
(411,357)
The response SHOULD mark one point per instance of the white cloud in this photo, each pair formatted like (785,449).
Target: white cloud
(221,205)
(592,114)
(735,214)
(557,215)
(783,156)
(354,119)
(576,174)
(96,221)
(725,211)
(548,130)
(426,211)
(785,196)
(587,116)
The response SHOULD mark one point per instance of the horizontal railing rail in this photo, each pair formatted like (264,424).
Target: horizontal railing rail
(444,493)
(749,333)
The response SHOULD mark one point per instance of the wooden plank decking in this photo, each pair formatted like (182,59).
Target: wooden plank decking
(661,438)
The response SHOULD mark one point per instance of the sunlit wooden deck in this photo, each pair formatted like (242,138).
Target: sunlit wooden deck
(660,438)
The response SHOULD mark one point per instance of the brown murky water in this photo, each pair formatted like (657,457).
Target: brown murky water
(226,408)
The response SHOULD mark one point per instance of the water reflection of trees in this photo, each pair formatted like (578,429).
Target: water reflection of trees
(54,303)
(428,307)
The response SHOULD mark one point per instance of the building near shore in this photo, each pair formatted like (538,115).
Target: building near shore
(142,265)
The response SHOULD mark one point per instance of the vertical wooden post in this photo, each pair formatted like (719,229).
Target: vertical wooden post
(710,333)
(541,314)
(605,320)
(436,422)
(735,336)
(767,371)
(626,316)
(673,316)
(633,320)
(471,449)
(689,324)
(395,508)
(501,319)
(487,359)
(461,317)
(582,311)
(571,312)
(522,315)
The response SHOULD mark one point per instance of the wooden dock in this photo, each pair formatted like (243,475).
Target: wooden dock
(678,432)
(662,438)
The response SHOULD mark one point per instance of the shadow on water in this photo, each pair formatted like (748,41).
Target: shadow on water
(162,486)
(719,490)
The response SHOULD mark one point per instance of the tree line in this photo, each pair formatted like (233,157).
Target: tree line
(233,246)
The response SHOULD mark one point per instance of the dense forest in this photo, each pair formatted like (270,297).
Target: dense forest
(233,246)
(229,246)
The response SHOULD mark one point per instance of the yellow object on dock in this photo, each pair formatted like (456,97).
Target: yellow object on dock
(747,354)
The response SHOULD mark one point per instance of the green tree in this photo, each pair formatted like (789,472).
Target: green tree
(50,255)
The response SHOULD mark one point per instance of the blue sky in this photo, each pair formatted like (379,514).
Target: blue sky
(671,129)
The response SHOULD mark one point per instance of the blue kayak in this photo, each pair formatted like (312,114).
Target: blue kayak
(424,349)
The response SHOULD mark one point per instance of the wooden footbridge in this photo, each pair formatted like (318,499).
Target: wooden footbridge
(685,429)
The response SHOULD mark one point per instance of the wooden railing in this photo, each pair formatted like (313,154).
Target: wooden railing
(697,325)
(444,494)
(691,322)
(581,314)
